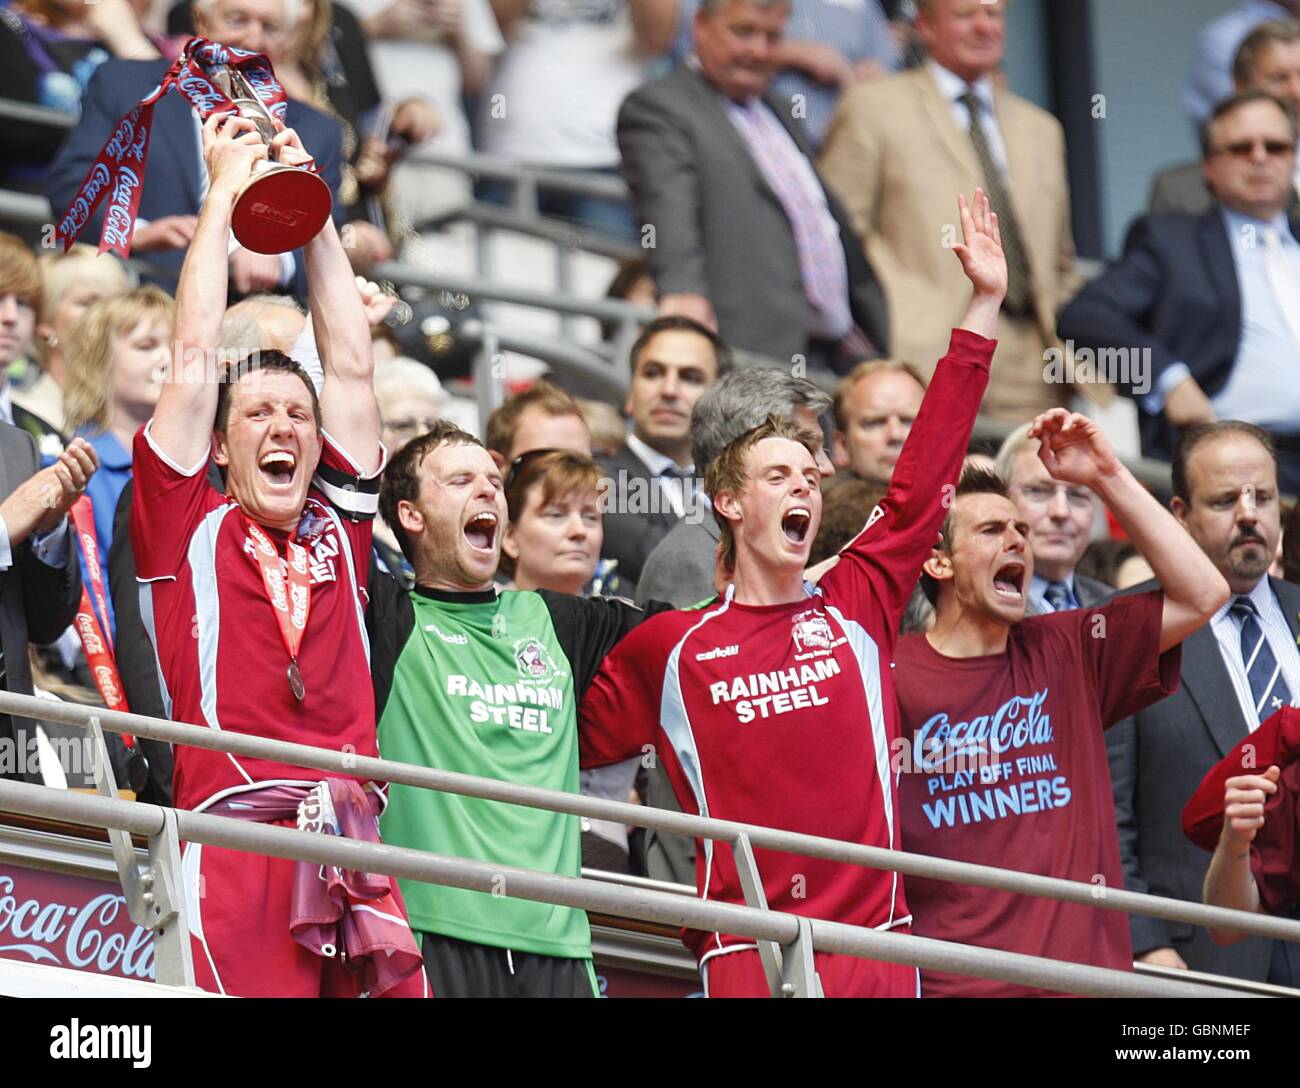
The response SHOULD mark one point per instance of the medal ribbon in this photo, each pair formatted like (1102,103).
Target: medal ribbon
(118,172)
(291,601)
(96,640)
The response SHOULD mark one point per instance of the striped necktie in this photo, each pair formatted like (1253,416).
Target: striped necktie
(1267,684)
(1057,595)
(1013,245)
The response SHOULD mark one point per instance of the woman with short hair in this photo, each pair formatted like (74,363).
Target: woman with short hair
(555,531)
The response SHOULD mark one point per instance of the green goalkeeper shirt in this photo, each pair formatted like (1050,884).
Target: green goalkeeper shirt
(488,684)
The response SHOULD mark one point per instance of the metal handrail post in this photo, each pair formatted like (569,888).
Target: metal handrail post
(799,977)
(164,897)
(489,383)
(155,897)
(751,887)
(564,282)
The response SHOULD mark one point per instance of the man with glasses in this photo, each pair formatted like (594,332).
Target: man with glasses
(1269,59)
(1200,319)
(1059,516)
(175,181)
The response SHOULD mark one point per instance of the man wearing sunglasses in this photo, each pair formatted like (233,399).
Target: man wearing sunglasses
(1200,319)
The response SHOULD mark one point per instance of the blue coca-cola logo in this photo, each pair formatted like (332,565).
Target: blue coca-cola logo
(1017,723)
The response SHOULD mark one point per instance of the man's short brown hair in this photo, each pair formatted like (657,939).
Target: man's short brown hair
(866,370)
(727,471)
(974,481)
(401,479)
(266,362)
(846,505)
(503,422)
(20,272)
(1245,65)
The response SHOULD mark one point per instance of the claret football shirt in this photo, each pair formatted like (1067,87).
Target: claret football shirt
(221,658)
(1007,766)
(783,715)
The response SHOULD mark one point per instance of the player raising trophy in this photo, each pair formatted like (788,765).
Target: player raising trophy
(255,601)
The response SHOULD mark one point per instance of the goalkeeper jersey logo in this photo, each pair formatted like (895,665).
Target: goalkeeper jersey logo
(532,660)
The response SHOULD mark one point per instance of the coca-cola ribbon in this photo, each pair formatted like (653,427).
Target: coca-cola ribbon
(95,634)
(118,172)
(288,585)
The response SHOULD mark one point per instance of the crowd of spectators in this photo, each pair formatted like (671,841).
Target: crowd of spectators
(793,167)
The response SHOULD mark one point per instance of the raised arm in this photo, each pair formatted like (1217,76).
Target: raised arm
(1229,881)
(349,411)
(187,407)
(903,528)
(1074,449)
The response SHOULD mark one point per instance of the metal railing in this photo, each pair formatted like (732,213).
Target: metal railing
(528,178)
(11,109)
(784,940)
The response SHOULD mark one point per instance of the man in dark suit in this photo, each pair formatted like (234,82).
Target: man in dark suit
(175,179)
(1060,519)
(1200,319)
(746,238)
(1268,59)
(1236,670)
(652,479)
(40,580)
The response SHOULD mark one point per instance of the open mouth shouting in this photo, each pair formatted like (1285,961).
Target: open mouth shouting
(481,531)
(1009,581)
(795,524)
(278,467)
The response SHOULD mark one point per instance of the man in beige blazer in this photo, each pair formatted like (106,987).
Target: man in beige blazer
(895,149)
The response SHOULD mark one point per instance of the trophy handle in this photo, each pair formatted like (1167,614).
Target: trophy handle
(236,87)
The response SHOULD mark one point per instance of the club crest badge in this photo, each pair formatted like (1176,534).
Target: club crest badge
(532,660)
(812,631)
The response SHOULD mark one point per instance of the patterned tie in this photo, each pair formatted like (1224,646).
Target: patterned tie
(1267,685)
(817,239)
(1057,594)
(1013,246)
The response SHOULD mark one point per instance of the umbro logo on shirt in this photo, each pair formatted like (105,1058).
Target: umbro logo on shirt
(717,652)
(455,640)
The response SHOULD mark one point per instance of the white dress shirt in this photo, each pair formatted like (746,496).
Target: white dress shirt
(952,87)
(658,463)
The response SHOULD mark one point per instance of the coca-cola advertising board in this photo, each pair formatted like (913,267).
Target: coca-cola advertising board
(71,921)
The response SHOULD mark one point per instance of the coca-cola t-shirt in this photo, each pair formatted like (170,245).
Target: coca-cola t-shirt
(1006,765)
